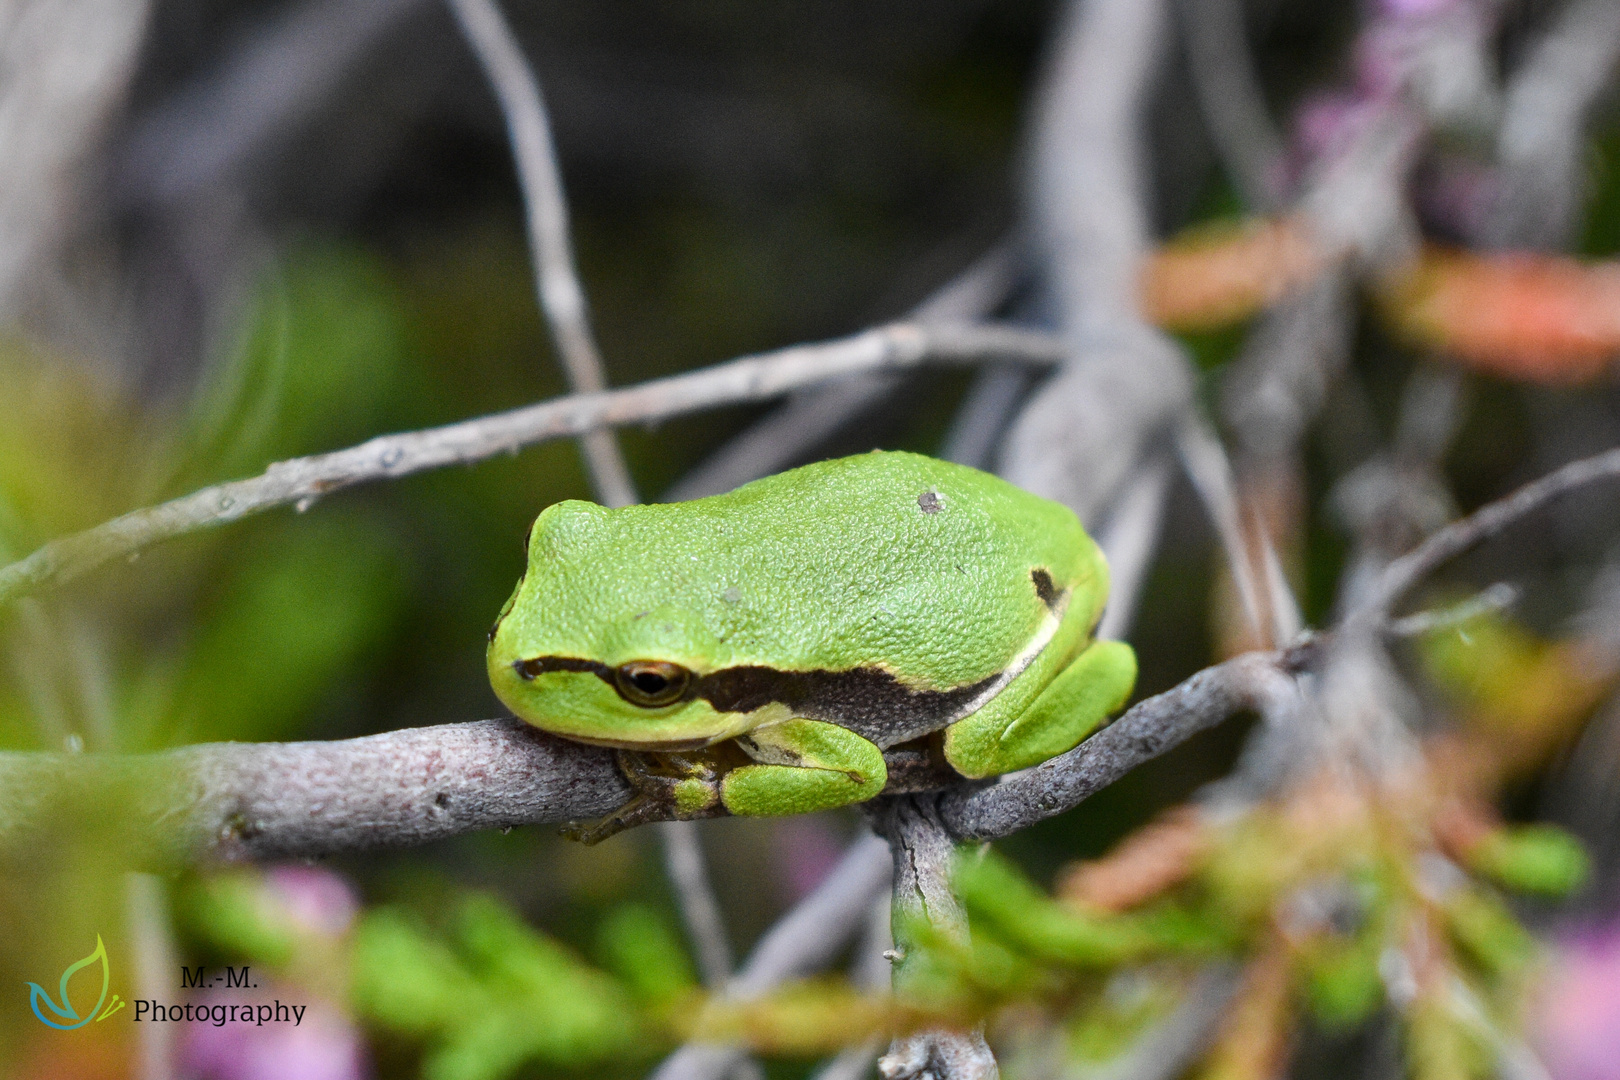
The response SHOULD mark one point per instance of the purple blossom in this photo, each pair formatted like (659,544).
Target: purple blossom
(1577,1018)
(807,850)
(315,900)
(1415,9)
(323,1045)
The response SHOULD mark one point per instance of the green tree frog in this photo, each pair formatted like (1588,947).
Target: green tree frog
(758,651)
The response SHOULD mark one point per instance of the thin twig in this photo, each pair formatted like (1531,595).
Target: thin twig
(810,418)
(700,909)
(869,970)
(1395,498)
(1229,96)
(556,281)
(1540,149)
(203,136)
(987,408)
(1251,681)
(151,933)
(562,298)
(804,940)
(1128,541)
(1498,597)
(1402,575)
(301,481)
(1267,599)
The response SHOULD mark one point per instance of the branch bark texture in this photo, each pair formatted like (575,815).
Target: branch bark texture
(301,481)
(262,801)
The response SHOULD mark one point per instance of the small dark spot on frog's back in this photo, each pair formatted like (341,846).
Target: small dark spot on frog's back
(1044,586)
(930,502)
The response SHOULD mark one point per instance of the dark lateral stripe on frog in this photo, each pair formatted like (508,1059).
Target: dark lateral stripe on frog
(868,701)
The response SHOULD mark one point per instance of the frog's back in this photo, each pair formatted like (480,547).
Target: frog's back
(938,573)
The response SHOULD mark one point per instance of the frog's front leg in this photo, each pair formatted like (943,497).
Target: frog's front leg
(1001,737)
(801,766)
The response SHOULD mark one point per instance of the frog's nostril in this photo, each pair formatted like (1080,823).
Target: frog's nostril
(528,669)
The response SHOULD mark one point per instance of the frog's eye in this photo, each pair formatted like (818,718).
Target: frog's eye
(651,683)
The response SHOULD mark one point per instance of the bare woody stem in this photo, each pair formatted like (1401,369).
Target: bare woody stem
(300,481)
(1253,681)
(1404,573)
(561,296)
(923,853)
(260,801)
(257,801)
(804,940)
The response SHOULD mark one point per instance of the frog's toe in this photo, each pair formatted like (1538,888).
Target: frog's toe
(668,787)
(638,811)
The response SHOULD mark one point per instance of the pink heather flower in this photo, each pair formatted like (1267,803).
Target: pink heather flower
(1576,1022)
(315,900)
(323,1045)
(1325,123)
(807,850)
(1412,9)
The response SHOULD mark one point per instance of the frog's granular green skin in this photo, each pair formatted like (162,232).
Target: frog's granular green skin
(886,596)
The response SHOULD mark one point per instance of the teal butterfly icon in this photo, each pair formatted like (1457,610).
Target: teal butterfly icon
(65,1011)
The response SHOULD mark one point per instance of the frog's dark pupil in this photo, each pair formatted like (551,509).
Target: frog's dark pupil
(649,682)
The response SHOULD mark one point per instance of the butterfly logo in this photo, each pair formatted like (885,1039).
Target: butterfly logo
(68,1018)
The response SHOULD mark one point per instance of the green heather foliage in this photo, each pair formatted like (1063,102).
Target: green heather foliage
(638,944)
(1004,904)
(491,994)
(1540,859)
(230,912)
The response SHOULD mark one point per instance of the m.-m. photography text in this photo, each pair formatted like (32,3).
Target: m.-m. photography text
(59,1012)
(219,1015)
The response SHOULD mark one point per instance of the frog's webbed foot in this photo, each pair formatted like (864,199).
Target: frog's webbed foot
(668,787)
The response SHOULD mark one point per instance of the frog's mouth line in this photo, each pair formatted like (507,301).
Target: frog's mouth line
(666,746)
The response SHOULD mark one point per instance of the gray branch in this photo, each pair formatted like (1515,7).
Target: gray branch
(1541,147)
(803,941)
(301,481)
(700,908)
(1253,681)
(556,281)
(1404,573)
(261,801)
(1125,385)
(257,801)
(1229,96)
(562,299)
(923,851)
